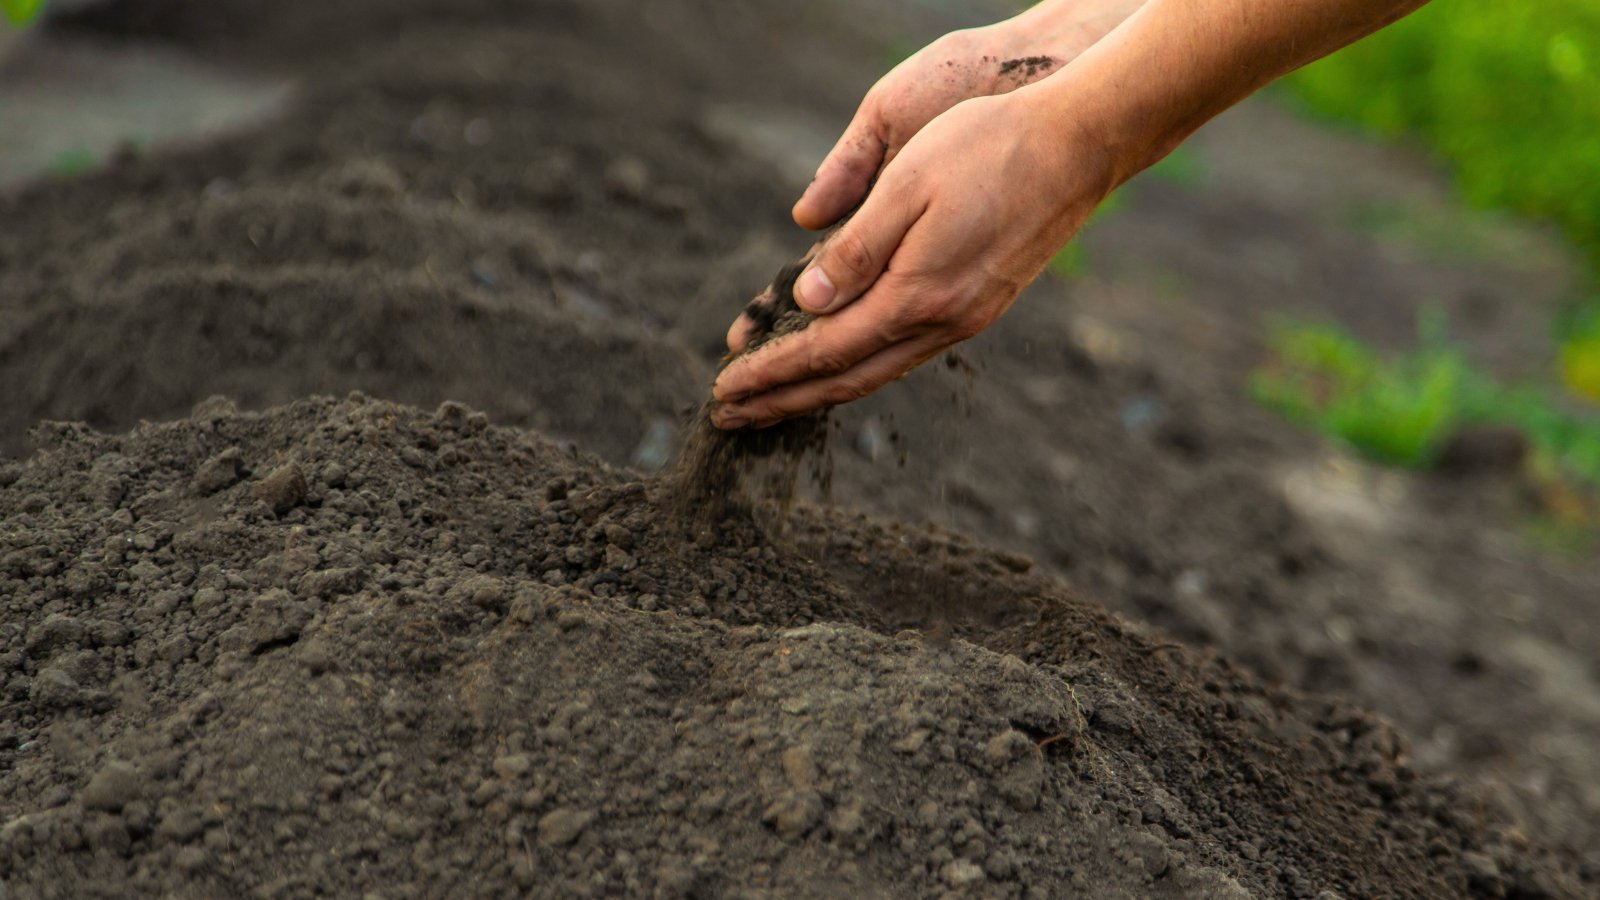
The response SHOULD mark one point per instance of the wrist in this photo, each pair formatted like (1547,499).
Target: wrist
(1072,165)
(1089,121)
(1065,28)
(1130,97)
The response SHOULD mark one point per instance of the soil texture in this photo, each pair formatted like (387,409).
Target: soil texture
(345,646)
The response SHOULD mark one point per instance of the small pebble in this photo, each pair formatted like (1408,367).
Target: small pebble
(283,489)
(563,826)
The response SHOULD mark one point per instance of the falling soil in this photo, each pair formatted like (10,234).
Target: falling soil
(276,646)
(721,472)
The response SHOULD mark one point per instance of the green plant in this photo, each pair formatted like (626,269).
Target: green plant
(21,12)
(1580,350)
(1401,409)
(72,162)
(1398,411)
(1508,94)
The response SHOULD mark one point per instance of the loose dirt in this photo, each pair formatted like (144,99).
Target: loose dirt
(347,646)
(344,646)
(722,472)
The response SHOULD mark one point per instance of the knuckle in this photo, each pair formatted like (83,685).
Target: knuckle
(845,390)
(893,328)
(827,361)
(851,253)
(932,313)
(904,309)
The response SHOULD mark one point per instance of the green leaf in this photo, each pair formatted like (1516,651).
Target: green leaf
(21,12)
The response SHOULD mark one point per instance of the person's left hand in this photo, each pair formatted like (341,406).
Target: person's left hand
(958,224)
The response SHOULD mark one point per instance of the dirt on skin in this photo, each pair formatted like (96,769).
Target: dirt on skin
(345,646)
(470,202)
(1029,67)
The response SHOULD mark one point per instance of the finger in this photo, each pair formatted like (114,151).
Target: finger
(828,346)
(851,260)
(793,400)
(739,333)
(845,174)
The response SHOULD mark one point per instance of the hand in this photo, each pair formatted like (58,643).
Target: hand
(960,221)
(975,203)
(976,62)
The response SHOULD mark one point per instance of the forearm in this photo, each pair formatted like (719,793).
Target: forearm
(1175,64)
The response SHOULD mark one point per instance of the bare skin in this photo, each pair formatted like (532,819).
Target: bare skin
(977,62)
(974,198)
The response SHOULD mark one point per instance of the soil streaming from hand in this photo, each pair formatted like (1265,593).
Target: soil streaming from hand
(720,472)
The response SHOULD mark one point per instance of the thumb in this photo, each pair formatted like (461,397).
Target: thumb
(845,175)
(854,256)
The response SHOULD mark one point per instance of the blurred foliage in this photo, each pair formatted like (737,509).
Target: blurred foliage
(1397,411)
(1509,95)
(72,162)
(1580,355)
(1402,409)
(1507,92)
(21,12)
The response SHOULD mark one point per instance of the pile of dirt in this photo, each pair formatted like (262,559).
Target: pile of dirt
(347,646)
(471,202)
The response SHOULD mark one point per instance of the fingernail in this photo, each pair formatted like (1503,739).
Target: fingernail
(733,423)
(814,292)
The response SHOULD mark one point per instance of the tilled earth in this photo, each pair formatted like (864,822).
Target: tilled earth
(347,646)
(344,646)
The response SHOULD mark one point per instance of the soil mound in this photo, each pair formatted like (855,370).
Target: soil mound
(347,646)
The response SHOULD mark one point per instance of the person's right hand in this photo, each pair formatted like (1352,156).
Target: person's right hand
(961,65)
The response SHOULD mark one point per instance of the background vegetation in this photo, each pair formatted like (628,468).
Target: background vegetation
(1403,409)
(20,12)
(1507,95)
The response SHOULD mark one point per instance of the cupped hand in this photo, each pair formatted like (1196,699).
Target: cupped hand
(975,62)
(959,66)
(959,222)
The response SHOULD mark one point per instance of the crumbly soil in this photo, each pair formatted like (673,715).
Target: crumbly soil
(343,646)
(346,646)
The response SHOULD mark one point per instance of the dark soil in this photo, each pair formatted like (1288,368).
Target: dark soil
(1028,67)
(343,646)
(347,646)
